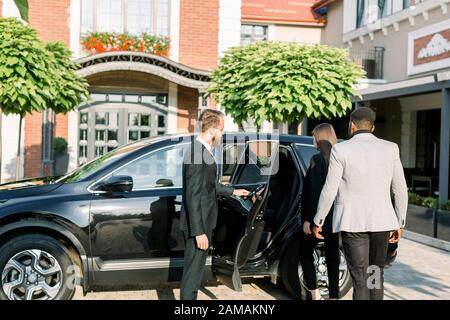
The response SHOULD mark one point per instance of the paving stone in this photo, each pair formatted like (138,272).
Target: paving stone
(419,273)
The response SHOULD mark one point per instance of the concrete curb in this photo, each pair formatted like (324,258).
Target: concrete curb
(429,241)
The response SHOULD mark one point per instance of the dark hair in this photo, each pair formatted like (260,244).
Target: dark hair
(363,117)
(210,118)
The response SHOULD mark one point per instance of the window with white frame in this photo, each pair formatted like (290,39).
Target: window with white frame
(410,3)
(385,8)
(110,13)
(251,33)
(368,11)
(132,16)
(140,14)
(360,13)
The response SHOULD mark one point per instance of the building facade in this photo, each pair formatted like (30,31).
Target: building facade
(135,95)
(404,46)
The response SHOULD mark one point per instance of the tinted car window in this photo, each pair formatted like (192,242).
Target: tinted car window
(230,155)
(99,163)
(161,168)
(258,163)
(306,153)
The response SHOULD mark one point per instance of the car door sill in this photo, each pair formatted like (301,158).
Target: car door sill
(140,264)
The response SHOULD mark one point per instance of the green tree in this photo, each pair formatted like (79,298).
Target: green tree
(280,82)
(35,76)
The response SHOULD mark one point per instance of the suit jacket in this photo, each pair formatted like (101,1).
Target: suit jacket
(312,187)
(200,189)
(361,175)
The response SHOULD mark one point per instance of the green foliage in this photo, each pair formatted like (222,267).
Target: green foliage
(71,89)
(22,5)
(279,81)
(429,202)
(34,76)
(59,145)
(446,205)
(414,198)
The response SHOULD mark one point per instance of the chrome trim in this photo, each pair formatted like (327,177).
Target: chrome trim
(139,264)
(89,188)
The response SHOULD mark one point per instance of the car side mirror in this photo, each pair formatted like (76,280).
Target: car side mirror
(117,184)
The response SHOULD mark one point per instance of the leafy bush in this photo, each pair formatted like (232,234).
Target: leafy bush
(59,145)
(446,205)
(429,202)
(414,198)
(278,81)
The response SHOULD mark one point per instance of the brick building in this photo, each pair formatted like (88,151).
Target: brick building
(136,95)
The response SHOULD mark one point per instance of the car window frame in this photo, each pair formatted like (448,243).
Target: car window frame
(233,176)
(221,151)
(89,188)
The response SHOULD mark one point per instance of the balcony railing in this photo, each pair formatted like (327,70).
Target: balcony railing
(371,60)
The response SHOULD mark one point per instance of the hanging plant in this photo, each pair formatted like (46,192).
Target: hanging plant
(98,42)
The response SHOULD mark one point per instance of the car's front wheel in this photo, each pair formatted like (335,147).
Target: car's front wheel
(292,273)
(34,267)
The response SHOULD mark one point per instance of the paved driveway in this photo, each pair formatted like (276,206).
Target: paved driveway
(420,272)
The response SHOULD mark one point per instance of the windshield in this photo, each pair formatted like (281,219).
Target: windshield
(100,162)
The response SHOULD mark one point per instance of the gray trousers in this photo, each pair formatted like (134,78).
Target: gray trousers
(364,249)
(194,268)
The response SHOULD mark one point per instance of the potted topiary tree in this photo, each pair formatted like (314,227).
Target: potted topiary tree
(61,156)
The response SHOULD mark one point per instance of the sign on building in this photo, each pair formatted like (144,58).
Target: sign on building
(429,48)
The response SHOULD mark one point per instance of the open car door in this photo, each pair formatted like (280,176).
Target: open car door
(258,162)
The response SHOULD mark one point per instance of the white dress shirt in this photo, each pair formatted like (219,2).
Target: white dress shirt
(206,144)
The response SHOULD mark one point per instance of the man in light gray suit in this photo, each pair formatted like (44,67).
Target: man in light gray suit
(362,173)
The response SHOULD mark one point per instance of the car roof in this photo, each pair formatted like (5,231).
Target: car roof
(131,150)
(232,136)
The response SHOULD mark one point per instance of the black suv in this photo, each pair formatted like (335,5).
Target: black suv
(115,220)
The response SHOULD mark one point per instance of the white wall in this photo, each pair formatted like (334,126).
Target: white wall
(72,139)
(75,27)
(10,124)
(10,139)
(9,9)
(229,36)
(229,24)
(309,35)
(349,16)
(175,30)
(172,121)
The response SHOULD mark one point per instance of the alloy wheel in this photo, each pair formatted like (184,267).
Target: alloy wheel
(32,275)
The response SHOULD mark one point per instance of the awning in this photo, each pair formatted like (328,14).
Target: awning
(435,82)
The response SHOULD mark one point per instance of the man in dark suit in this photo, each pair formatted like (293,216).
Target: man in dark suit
(199,210)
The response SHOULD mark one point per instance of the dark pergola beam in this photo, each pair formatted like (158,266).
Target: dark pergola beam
(444,147)
(403,92)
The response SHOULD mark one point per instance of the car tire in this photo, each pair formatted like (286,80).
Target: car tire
(292,278)
(33,267)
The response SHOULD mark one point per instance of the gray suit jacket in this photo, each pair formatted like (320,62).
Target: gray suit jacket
(361,175)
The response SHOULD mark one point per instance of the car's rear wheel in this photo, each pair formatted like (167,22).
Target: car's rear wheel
(34,267)
(292,273)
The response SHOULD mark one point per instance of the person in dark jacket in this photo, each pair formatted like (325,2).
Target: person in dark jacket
(324,139)
(198,215)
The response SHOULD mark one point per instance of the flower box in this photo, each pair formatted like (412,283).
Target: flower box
(98,42)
